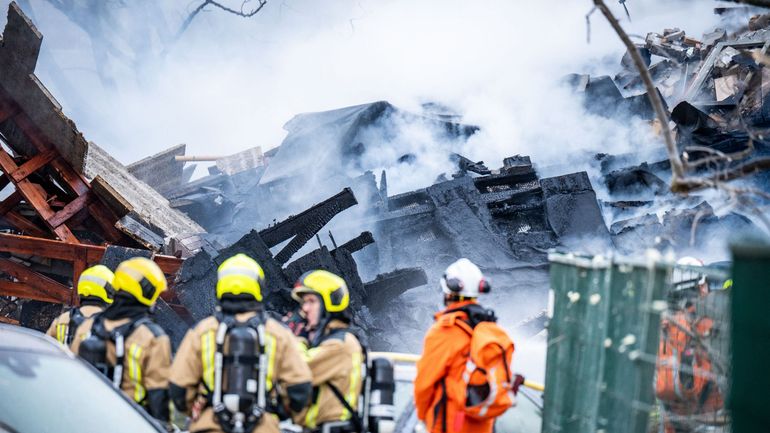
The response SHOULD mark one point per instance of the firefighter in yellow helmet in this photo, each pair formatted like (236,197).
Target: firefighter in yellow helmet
(125,344)
(333,353)
(239,370)
(95,292)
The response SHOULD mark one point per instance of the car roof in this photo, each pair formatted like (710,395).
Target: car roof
(18,338)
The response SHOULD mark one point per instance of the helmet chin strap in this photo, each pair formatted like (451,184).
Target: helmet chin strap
(319,330)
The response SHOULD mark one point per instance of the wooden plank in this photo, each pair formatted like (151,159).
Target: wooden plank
(21,290)
(70,210)
(79,218)
(59,250)
(78,266)
(75,181)
(119,205)
(35,198)
(106,220)
(25,225)
(38,282)
(8,320)
(50,248)
(10,202)
(33,165)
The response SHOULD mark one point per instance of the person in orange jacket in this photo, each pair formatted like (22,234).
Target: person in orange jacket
(441,394)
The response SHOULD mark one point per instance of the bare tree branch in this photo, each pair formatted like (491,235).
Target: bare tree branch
(677,169)
(214,3)
(752,166)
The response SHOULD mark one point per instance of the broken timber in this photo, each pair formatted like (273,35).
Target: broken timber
(302,227)
(33,285)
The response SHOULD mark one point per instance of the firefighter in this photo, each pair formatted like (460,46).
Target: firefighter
(445,396)
(95,292)
(125,344)
(239,370)
(332,351)
(685,379)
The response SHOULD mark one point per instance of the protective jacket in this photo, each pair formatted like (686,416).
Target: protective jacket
(192,374)
(147,357)
(60,327)
(336,363)
(439,389)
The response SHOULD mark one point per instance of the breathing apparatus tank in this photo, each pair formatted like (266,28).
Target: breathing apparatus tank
(380,387)
(239,398)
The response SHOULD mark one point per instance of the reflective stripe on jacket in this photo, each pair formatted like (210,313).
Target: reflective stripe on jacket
(337,360)
(193,368)
(439,389)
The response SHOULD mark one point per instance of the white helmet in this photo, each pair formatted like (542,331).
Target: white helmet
(463,278)
(691,276)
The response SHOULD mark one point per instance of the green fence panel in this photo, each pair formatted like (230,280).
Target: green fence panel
(603,340)
(749,402)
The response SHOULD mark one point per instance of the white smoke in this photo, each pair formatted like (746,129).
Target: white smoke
(229,83)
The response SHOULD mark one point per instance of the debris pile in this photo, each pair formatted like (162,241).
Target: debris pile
(73,205)
(717,89)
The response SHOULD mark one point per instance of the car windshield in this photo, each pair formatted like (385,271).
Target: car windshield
(44,392)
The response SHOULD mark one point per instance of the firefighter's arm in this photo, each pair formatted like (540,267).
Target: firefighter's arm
(51,332)
(326,361)
(157,363)
(80,335)
(186,371)
(294,373)
(437,353)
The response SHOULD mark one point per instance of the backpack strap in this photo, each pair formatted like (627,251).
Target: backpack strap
(441,406)
(339,334)
(475,313)
(353,414)
(76,318)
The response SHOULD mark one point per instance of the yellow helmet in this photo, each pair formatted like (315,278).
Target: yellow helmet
(240,274)
(97,281)
(141,278)
(331,288)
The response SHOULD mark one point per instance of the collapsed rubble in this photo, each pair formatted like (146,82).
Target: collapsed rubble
(716,88)
(315,201)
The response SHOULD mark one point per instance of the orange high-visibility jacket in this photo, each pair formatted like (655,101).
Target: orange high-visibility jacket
(439,390)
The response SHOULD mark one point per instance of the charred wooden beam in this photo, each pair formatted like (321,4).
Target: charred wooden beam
(303,226)
(358,243)
(388,286)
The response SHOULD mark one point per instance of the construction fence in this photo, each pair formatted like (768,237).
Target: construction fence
(637,346)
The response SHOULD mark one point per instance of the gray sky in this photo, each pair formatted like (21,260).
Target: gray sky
(230,83)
